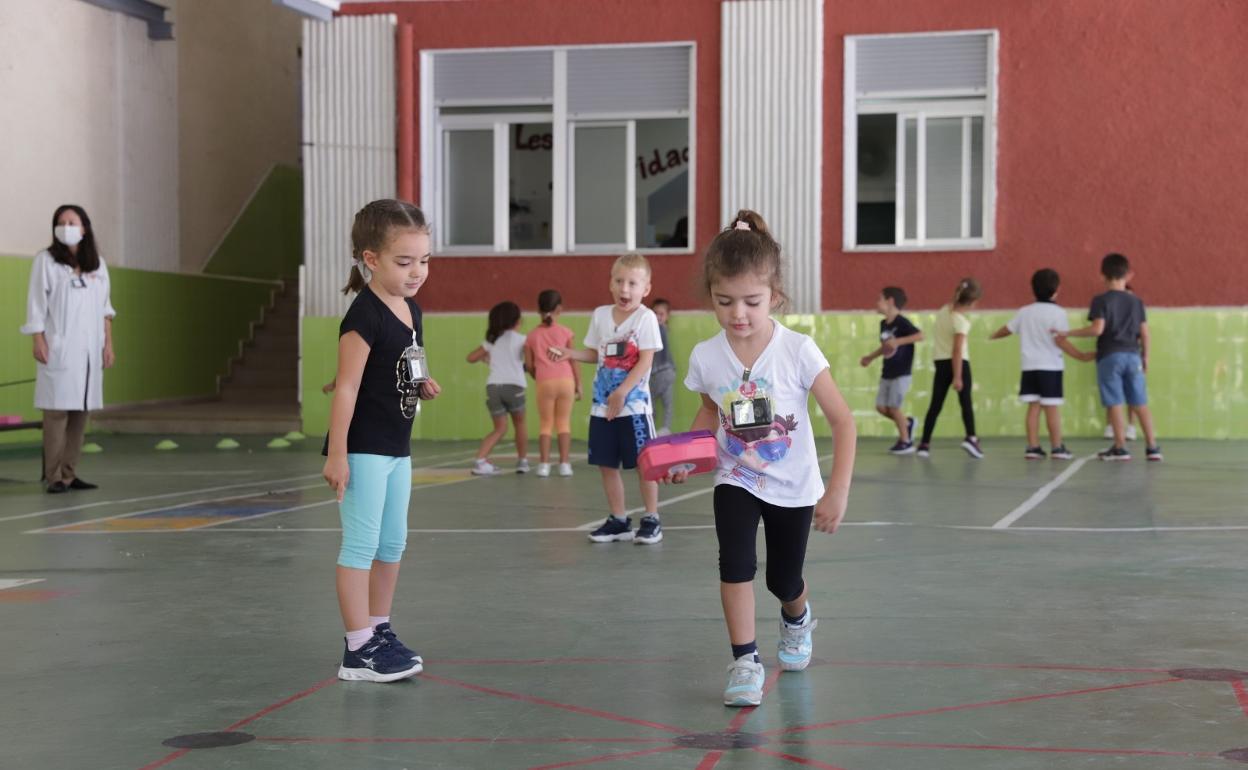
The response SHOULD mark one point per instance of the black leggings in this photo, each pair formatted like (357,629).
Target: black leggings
(787,529)
(940,387)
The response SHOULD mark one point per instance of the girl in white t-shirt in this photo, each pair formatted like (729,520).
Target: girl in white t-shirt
(755,378)
(503,350)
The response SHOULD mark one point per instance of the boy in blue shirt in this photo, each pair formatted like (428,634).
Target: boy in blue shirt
(897,338)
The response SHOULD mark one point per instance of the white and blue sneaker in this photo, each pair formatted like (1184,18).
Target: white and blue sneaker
(745,682)
(796,646)
(386,632)
(613,530)
(376,661)
(650,531)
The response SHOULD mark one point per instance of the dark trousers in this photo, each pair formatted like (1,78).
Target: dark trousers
(737,513)
(940,388)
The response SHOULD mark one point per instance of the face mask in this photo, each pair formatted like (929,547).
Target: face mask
(70,235)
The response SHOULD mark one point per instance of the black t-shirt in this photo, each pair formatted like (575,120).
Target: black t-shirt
(1123,313)
(902,359)
(378,426)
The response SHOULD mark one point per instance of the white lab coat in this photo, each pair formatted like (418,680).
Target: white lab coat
(71,315)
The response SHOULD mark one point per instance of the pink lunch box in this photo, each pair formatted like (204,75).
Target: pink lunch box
(693,452)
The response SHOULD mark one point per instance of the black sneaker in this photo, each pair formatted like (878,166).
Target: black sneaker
(376,661)
(910,428)
(924,450)
(902,448)
(650,531)
(1061,453)
(971,445)
(80,484)
(386,632)
(1153,454)
(1034,453)
(612,530)
(57,488)
(1114,454)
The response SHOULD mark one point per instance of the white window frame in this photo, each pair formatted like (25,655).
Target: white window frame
(434,126)
(921,105)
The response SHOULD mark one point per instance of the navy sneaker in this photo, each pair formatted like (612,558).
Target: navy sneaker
(376,661)
(1062,453)
(650,531)
(1114,454)
(1034,453)
(386,632)
(1153,454)
(612,530)
(902,448)
(971,445)
(910,428)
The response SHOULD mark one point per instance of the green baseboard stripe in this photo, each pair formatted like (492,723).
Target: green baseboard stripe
(1196,379)
(266,241)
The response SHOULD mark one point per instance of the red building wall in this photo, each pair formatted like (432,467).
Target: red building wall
(1123,127)
(476,283)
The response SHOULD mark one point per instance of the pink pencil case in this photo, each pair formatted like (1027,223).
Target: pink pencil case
(693,452)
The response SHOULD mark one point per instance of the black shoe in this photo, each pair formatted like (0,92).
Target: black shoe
(386,632)
(1061,453)
(80,484)
(649,532)
(971,445)
(57,488)
(1114,454)
(613,530)
(1153,454)
(1034,453)
(376,661)
(902,448)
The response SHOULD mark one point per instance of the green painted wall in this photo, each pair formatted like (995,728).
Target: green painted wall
(267,239)
(173,335)
(1196,380)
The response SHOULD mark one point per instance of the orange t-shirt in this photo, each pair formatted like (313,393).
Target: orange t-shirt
(543,337)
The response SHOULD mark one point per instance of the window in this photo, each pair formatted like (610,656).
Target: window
(920,164)
(559,150)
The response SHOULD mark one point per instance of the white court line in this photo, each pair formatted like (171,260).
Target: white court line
(1040,494)
(14,583)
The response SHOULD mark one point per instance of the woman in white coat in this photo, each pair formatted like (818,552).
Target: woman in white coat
(70,316)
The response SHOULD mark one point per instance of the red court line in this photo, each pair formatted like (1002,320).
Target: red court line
(554,704)
(997,666)
(606,758)
(992,747)
(711,759)
(796,759)
(965,706)
(245,720)
(1241,695)
(536,741)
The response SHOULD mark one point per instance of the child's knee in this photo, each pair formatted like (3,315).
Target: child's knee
(887,411)
(357,553)
(737,569)
(391,550)
(785,586)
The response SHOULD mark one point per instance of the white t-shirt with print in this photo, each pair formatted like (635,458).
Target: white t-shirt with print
(640,331)
(1033,325)
(776,463)
(506,359)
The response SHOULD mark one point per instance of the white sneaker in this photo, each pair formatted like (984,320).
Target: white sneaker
(522,465)
(485,468)
(1109,432)
(565,469)
(745,683)
(796,645)
(543,470)
(1130,433)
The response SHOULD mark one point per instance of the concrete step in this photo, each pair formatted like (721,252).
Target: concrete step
(247,376)
(255,394)
(208,417)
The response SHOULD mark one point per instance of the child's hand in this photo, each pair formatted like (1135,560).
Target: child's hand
(889,345)
(830,510)
(1144,364)
(578,394)
(429,389)
(337,473)
(865,361)
(615,403)
(1088,356)
(678,477)
(556,354)
(957,384)
(329,387)
(1058,333)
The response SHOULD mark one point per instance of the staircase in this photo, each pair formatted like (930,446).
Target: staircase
(258,396)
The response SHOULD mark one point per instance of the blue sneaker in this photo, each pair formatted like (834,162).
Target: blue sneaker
(650,531)
(796,646)
(612,530)
(745,683)
(386,632)
(376,661)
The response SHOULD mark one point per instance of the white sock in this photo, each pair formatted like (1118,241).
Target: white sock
(655,514)
(356,639)
(377,620)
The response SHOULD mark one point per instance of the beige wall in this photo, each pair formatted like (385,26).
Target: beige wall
(238,84)
(88,115)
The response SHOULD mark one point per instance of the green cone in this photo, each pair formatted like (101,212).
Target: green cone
(295,435)
(92,448)
(164,445)
(227,443)
(278,443)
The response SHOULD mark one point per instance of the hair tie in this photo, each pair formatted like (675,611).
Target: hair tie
(742,225)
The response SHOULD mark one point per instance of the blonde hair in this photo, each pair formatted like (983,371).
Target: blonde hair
(631,261)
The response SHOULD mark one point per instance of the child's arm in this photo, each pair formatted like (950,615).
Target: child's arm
(352,354)
(1145,344)
(896,342)
(479,353)
(1094,329)
(615,401)
(1068,347)
(1001,333)
(874,354)
(830,509)
(530,365)
(576,382)
(959,344)
(584,355)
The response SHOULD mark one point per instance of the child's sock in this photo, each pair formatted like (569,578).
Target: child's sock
(356,639)
(655,514)
(620,519)
(377,620)
(749,648)
(800,620)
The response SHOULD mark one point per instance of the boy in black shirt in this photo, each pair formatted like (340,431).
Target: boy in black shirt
(897,338)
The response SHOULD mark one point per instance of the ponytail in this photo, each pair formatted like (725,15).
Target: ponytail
(547,303)
(355,281)
(967,292)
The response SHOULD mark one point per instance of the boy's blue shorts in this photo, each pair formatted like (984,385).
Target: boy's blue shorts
(616,443)
(1120,377)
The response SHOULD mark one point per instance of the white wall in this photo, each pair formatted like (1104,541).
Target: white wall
(89,117)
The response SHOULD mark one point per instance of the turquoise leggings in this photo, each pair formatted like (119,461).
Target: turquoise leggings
(374,510)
